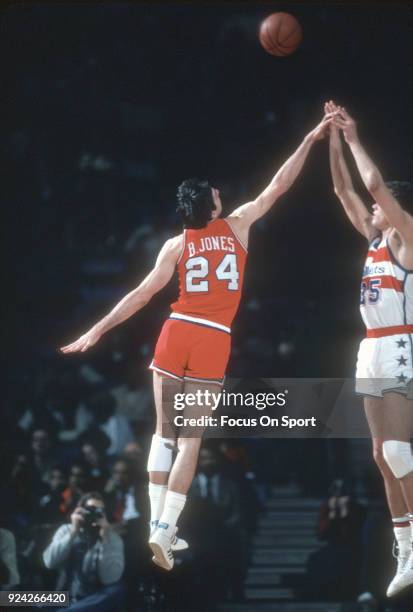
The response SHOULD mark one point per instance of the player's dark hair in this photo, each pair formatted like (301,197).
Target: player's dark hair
(403,192)
(195,203)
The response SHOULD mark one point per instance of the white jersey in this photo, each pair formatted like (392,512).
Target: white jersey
(386,302)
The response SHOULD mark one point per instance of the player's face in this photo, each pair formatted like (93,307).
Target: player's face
(217,201)
(379,220)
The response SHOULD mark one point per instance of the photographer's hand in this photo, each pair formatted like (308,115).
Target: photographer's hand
(77,519)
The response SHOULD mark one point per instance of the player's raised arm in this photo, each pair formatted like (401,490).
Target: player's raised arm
(243,217)
(136,299)
(343,185)
(373,180)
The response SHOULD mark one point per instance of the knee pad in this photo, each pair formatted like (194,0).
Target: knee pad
(399,457)
(160,455)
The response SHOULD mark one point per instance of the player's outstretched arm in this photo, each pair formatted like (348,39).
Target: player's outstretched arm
(136,299)
(372,178)
(244,216)
(343,185)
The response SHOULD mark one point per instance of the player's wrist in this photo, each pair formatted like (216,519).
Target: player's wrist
(353,139)
(310,138)
(100,328)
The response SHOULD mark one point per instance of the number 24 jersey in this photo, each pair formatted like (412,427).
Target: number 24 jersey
(211,273)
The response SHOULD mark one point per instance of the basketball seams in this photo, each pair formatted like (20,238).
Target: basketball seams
(274,44)
(272,38)
(297,30)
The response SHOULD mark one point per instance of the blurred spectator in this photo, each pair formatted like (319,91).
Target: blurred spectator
(93,459)
(42,456)
(22,484)
(333,571)
(127,506)
(77,485)
(237,466)
(115,426)
(90,557)
(9,573)
(133,453)
(122,494)
(217,506)
(49,508)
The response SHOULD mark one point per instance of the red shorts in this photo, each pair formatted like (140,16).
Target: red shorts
(192,351)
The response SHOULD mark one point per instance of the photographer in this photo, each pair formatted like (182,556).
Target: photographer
(90,557)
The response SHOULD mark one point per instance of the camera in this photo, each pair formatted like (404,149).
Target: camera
(92,515)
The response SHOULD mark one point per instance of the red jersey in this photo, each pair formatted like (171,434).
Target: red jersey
(211,274)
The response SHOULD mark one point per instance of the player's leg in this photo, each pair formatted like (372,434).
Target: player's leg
(207,356)
(190,438)
(168,371)
(397,447)
(182,473)
(374,408)
(390,421)
(163,443)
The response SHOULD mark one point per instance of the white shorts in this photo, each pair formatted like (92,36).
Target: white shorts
(385,364)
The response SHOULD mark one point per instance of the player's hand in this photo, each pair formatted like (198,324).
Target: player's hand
(346,124)
(331,107)
(83,343)
(321,129)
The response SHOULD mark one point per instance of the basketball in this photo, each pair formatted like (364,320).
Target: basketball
(280,34)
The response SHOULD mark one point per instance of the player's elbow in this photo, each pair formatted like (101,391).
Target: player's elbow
(270,197)
(345,196)
(373,181)
(342,194)
(143,298)
(281,186)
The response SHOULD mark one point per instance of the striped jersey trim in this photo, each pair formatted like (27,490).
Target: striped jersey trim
(393,330)
(165,372)
(211,381)
(183,317)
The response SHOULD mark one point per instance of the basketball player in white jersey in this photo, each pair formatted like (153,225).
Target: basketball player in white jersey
(384,364)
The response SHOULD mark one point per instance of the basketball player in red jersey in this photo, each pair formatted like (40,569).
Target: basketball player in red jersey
(194,345)
(384,364)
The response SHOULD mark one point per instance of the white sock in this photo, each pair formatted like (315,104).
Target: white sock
(173,506)
(157,494)
(403,534)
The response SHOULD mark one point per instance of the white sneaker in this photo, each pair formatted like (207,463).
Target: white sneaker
(404,573)
(160,543)
(177,544)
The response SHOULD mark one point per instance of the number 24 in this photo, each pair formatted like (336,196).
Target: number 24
(197,268)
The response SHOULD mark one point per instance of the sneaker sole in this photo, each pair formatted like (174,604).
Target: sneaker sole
(159,558)
(399,590)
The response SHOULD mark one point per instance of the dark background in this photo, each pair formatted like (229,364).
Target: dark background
(164,91)
(106,108)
